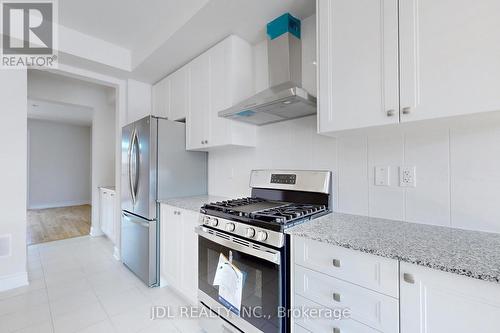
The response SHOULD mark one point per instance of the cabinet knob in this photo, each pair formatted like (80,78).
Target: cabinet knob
(206,141)
(406,110)
(202,141)
(336,297)
(390,113)
(336,262)
(408,278)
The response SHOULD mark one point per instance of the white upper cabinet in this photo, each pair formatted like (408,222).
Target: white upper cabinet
(357,63)
(161,98)
(218,79)
(198,117)
(434,302)
(450,51)
(178,96)
(170,96)
(379,65)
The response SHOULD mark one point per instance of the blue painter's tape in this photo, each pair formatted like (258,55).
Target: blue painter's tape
(283,24)
(246,113)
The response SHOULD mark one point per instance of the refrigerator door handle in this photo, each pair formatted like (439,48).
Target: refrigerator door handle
(130,218)
(130,178)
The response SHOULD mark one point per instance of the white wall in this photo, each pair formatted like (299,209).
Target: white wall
(13,170)
(48,86)
(457,161)
(59,164)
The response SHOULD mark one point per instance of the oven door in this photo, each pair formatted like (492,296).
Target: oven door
(263,289)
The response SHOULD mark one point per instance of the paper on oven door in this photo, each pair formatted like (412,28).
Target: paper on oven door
(230,281)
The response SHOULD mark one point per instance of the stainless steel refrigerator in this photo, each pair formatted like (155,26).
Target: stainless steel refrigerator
(155,166)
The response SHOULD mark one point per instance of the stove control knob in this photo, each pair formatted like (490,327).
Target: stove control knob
(261,236)
(206,220)
(250,232)
(214,222)
(230,226)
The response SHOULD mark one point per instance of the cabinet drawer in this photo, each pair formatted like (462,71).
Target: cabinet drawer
(369,271)
(327,325)
(368,307)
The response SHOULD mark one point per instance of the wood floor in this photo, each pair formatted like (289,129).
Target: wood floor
(45,225)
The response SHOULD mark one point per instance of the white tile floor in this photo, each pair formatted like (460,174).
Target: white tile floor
(77,286)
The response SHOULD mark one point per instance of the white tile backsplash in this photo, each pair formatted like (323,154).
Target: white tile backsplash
(458,168)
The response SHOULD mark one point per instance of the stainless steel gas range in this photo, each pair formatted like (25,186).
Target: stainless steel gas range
(249,232)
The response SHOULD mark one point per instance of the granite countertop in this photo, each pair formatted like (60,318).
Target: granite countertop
(471,253)
(192,203)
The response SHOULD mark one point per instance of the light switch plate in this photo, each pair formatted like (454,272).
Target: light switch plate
(408,176)
(382,176)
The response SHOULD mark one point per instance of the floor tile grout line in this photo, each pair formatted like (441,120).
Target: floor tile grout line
(47,293)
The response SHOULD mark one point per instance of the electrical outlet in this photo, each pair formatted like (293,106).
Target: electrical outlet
(407,176)
(382,175)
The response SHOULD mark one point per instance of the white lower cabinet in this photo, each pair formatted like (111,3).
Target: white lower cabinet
(107,202)
(367,307)
(438,302)
(326,324)
(179,250)
(332,277)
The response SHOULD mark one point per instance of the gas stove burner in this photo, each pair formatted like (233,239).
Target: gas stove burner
(263,211)
(287,213)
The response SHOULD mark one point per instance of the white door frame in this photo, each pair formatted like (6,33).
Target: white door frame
(120,86)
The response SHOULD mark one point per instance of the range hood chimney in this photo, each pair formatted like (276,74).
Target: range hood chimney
(285,99)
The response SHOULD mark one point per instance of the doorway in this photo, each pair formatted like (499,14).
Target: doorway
(71,153)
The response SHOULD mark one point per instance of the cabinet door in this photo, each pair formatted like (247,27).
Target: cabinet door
(102,210)
(170,244)
(434,302)
(161,99)
(178,94)
(189,252)
(197,121)
(111,216)
(450,54)
(357,63)
(218,133)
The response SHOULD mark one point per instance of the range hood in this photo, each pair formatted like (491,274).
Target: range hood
(285,99)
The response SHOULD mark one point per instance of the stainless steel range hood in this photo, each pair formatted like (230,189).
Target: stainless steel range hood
(285,99)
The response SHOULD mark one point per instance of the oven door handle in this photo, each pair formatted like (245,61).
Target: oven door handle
(273,257)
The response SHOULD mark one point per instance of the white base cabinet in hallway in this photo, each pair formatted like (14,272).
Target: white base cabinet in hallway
(107,202)
(179,250)
(434,302)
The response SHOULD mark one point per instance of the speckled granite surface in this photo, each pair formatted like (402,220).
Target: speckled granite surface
(192,203)
(470,253)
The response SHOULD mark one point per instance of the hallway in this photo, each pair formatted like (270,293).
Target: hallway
(51,224)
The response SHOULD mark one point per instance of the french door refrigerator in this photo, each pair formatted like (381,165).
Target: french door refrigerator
(155,166)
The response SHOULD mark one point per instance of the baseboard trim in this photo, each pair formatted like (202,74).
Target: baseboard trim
(61,204)
(13,281)
(96,232)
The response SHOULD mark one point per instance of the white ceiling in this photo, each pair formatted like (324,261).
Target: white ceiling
(215,21)
(60,112)
(130,23)
(163,35)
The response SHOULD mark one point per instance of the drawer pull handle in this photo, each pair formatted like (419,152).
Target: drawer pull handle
(336,330)
(336,262)
(336,297)
(408,278)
